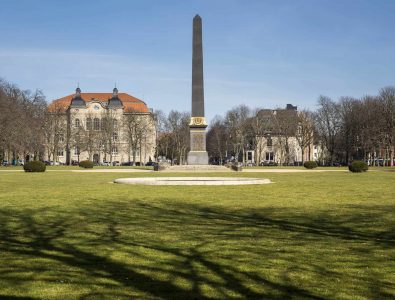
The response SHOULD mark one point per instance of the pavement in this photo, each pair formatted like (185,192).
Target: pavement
(171,171)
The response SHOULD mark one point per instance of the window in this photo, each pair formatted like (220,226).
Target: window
(114,150)
(115,122)
(60,152)
(269,142)
(299,130)
(76,151)
(77,123)
(61,138)
(115,137)
(249,155)
(96,124)
(89,124)
(269,156)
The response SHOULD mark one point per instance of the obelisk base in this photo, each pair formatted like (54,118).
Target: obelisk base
(197,158)
(198,154)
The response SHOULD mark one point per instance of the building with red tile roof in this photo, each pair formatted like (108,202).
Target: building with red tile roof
(107,128)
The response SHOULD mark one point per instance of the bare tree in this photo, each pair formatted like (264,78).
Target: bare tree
(160,129)
(217,141)
(90,136)
(305,132)
(178,125)
(21,118)
(136,128)
(236,123)
(387,101)
(285,127)
(257,131)
(109,130)
(55,130)
(328,122)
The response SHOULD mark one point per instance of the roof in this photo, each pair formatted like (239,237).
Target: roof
(130,103)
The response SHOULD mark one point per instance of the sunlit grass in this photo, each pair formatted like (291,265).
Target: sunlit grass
(67,235)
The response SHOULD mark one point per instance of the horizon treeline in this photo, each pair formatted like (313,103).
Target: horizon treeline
(345,129)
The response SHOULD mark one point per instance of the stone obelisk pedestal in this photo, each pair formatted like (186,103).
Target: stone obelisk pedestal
(197,128)
(198,154)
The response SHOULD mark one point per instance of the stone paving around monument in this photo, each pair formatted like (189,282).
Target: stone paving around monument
(192,181)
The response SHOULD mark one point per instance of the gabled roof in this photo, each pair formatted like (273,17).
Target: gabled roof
(130,103)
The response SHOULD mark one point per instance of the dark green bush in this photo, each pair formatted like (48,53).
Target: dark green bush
(310,164)
(358,166)
(34,166)
(87,164)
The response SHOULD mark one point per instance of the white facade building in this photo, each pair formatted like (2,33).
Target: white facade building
(109,128)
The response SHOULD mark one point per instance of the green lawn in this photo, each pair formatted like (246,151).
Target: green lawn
(328,235)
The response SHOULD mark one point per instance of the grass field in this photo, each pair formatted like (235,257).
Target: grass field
(328,235)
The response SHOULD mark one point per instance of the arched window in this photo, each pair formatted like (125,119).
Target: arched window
(114,150)
(115,137)
(77,123)
(88,124)
(96,124)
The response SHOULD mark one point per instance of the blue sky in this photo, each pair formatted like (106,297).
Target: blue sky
(258,53)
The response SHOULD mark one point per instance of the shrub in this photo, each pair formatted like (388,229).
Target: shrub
(87,164)
(358,166)
(34,166)
(310,164)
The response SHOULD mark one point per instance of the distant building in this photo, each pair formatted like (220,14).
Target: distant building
(102,127)
(278,139)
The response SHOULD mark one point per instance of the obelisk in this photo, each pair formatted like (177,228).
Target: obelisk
(197,127)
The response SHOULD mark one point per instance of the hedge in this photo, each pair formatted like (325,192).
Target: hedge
(310,164)
(87,164)
(358,166)
(34,166)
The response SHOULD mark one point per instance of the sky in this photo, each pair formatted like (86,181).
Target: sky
(259,53)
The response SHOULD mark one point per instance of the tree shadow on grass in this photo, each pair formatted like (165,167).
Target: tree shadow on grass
(184,251)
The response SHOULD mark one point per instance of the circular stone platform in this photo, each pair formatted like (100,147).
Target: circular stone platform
(192,181)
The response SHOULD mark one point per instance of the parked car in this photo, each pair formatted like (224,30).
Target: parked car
(151,164)
(116,163)
(128,163)
(6,162)
(267,163)
(105,163)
